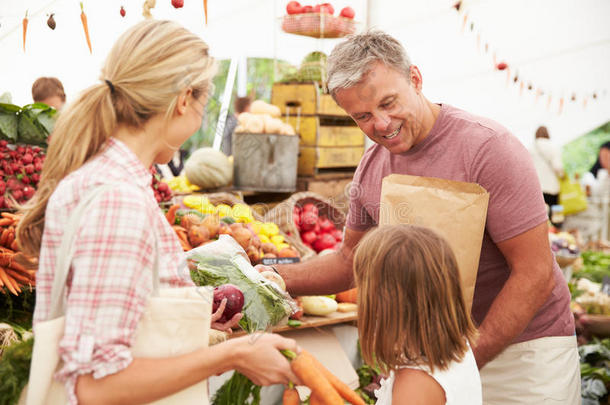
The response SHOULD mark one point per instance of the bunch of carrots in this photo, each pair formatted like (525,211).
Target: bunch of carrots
(13,275)
(326,388)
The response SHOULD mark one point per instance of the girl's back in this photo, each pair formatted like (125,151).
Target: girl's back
(460,382)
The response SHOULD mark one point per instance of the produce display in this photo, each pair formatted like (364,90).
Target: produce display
(317,231)
(13,275)
(204,222)
(263,118)
(162,191)
(181,184)
(222,262)
(318,21)
(20,170)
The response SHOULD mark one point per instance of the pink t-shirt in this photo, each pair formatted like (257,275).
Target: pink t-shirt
(464,147)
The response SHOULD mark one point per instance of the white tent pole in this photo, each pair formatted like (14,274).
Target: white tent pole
(224,107)
(242,77)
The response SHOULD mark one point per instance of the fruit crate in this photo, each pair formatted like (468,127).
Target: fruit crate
(329,138)
(318,25)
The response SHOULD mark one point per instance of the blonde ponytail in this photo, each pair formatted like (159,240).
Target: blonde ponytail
(146,69)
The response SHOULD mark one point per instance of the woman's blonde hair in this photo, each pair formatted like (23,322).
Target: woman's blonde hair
(147,68)
(410,304)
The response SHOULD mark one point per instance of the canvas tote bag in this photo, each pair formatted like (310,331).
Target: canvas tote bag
(175,321)
(454,209)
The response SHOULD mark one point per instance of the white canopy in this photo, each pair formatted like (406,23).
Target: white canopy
(559,46)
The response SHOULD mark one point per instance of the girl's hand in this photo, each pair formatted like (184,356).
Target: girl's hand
(226,326)
(260,359)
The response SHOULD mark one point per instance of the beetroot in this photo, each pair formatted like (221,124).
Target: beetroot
(235,301)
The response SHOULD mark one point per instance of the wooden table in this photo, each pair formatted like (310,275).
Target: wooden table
(310,321)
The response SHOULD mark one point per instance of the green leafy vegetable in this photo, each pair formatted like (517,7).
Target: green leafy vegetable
(595,371)
(238,390)
(9,122)
(264,305)
(596,265)
(15,370)
(36,123)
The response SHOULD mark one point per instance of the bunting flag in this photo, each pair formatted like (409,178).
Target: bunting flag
(461,8)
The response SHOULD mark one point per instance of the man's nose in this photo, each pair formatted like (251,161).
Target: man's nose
(382,122)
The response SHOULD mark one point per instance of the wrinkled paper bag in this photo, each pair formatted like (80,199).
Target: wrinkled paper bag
(454,209)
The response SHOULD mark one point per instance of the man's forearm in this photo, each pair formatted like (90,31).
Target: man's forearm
(322,275)
(512,310)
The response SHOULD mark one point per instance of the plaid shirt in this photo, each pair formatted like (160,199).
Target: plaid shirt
(111,272)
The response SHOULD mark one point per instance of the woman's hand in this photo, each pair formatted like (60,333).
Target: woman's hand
(226,326)
(260,360)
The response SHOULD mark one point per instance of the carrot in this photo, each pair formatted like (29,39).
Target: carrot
(15,245)
(7,282)
(17,276)
(14,217)
(205,11)
(6,221)
(343,389)
(16,266)
(11,238)
(6,259)
(25,28)
(171,214)
(4,237)
(314,399)
(83,18)
(291,396)
(304,368)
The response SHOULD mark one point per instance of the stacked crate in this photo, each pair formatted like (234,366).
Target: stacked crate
(329,138)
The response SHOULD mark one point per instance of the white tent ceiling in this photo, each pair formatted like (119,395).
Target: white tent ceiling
(560,46)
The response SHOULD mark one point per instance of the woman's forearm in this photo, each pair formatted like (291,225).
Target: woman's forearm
(149,379)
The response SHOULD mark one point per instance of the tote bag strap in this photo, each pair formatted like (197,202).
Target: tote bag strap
(66,252)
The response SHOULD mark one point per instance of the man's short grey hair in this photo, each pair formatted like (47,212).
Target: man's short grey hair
(352,59)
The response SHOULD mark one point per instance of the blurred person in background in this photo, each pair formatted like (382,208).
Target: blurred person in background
(549,167)
(50,91)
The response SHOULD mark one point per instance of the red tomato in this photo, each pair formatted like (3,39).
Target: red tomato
(347,12)
(309,237)
(294,7)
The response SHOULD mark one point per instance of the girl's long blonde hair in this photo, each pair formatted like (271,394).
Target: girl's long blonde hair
(147,68)
(410,304)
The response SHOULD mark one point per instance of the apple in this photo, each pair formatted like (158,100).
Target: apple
(307,9)
(178,3)
(235,301)
(324,8)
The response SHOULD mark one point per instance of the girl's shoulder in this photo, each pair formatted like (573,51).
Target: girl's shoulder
(418,387)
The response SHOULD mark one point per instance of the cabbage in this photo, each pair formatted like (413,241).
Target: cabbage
(209,168)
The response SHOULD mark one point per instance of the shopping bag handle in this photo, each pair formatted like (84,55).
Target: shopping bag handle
(66,252)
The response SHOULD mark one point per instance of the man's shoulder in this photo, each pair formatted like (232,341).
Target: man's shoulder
(373,156)
(472,128)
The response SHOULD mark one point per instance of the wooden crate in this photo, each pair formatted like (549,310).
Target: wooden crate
(316,131)
(289,97)
(312,159)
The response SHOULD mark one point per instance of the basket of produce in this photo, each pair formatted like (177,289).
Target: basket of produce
(565,248)
(309,221)
(318,21)
(203,218)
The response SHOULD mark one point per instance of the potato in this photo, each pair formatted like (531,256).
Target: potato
(269,248)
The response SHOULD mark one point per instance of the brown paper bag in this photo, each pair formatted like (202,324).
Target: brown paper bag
(454,209)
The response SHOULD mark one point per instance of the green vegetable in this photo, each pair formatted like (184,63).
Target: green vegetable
(293,323)
(9,122)
(264,305)
(238,390)
(17,310)
(36,122)
(228,220)
(596,265)
(15,370)
(595,371)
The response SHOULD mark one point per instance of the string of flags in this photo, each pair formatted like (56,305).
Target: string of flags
(512,72)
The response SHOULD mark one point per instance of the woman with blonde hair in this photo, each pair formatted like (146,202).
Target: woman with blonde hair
(150,99)
(412,319)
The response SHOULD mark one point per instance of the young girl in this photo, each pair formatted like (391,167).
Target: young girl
(149,100)
(412,318)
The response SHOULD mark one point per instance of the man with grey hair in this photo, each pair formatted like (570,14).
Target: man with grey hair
(526,351)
